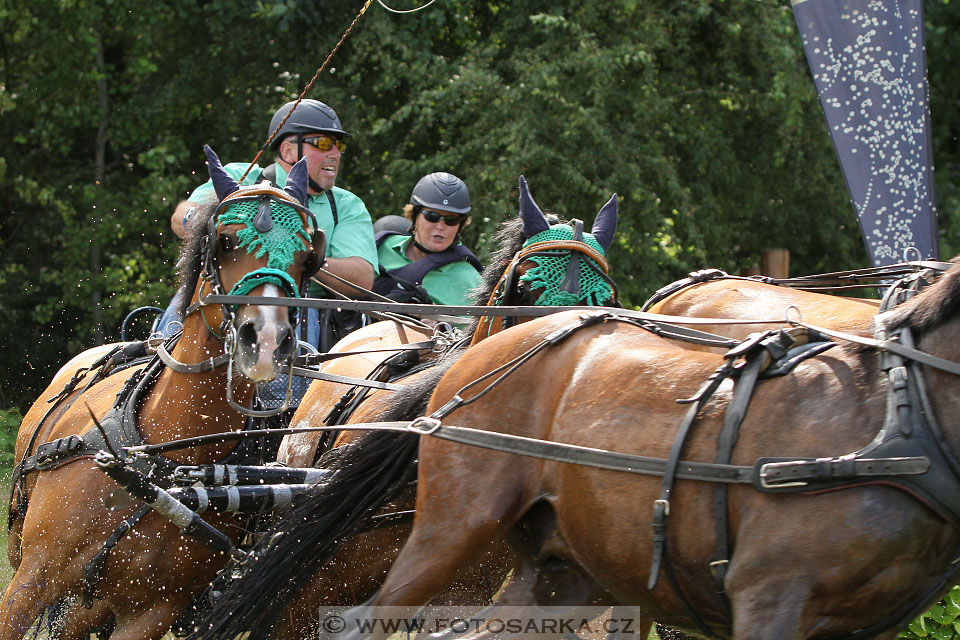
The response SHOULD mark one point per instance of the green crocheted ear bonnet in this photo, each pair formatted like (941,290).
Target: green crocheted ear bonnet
(551,271)
(285,238)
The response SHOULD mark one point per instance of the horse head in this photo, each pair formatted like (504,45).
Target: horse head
(260,241)
(559,264)
(546,262)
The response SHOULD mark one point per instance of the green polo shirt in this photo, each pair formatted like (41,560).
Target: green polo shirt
(449,284)
(353,234)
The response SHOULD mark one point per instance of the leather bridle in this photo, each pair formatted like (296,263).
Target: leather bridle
(215,241)
(506,292)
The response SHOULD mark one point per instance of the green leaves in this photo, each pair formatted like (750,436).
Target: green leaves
(941,622)
(701,115)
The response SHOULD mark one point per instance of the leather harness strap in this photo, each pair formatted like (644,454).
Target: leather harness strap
(115,360)
(198,367)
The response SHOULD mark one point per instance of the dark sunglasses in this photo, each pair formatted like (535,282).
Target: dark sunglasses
(449,219)
(325,143)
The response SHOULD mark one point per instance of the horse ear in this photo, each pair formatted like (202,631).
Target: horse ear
(223,184)
(605,224)
(297,181)
(533,219)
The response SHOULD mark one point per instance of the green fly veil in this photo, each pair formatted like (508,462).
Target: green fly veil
(271,222)
(568,277)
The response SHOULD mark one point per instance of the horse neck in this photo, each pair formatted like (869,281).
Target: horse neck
(486,326)
(943,387)
(183,405)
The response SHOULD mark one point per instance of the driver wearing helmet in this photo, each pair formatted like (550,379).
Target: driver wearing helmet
(313,131)
(428,263)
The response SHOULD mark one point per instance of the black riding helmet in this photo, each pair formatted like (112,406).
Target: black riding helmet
(441,191)
(310,116)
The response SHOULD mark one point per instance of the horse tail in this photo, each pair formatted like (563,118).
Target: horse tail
(369,474)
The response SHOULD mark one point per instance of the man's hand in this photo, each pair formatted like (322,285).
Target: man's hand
(355,269)
(182,218)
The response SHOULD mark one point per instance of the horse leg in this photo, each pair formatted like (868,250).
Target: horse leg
(78,621)
(762,613)
(150,623)
(428,562)
(575,605)
(27,596)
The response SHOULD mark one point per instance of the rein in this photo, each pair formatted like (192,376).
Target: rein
(834,281)
(475,310)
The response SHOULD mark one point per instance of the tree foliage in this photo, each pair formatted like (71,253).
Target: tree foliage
(701,115)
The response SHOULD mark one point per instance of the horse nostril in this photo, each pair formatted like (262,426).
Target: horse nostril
(287,344)
(247,335)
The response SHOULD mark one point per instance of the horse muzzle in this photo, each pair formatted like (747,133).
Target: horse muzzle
(264,347)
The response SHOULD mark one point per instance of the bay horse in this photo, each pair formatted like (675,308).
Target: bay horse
(713,294)
(864,538)
(256,240)
(351,570)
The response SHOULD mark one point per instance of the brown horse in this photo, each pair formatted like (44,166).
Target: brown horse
(747,298)
(358,563)
(361,563)
(849,549)
(255,241)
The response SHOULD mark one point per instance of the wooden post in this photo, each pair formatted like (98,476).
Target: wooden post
(775,263)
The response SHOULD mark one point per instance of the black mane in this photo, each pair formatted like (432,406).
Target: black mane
(510,239)
(932,307)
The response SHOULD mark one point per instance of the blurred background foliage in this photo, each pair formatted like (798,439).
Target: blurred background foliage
(700,114)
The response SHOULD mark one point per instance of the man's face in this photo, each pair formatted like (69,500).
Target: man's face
(323,166)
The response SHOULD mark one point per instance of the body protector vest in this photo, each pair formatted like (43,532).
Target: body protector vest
(404,284)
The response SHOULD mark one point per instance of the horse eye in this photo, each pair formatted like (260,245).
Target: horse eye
(228,242)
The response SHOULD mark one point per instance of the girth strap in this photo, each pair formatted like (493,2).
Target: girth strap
(732,419)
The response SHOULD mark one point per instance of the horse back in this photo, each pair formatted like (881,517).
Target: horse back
(61,410)
(48,411)
(750,299)
(321,396)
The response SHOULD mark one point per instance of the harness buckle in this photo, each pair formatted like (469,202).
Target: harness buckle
(768,479)
(662,503)
(424,425)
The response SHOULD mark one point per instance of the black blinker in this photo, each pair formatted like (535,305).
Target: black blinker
(571,282)
(263,222)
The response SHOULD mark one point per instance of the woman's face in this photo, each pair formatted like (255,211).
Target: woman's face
(438,235)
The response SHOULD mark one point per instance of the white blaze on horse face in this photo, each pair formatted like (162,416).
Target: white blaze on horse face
(264,338)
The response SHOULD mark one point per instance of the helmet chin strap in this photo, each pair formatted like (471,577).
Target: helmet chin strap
(423,248)
(315,186)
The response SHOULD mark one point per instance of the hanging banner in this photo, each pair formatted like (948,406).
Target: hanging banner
(868,63)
